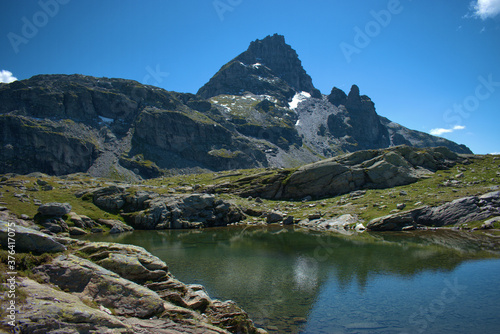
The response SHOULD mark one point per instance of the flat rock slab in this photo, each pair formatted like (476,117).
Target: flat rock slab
(29,240)
(77,275)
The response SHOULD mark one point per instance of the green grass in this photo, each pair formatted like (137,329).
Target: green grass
(63,192)
(479,176)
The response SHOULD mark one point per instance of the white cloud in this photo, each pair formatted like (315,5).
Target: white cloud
(486,8)
(494,153)
(7,77)
(440,131)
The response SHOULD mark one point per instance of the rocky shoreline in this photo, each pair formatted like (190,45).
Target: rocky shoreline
(106,287)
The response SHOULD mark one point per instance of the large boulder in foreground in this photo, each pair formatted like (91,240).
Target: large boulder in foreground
(74,274)
(41,314)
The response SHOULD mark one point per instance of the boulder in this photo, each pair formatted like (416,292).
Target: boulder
(81,221)
(54,209)
(289,220)
(274,217)
(460,211)
(115,226)
(73,274)
(184,211)
(369,169)
(490,223)
(393,222)
(76,231)
(338,223)
(100,251)
(29,240)
(49,310)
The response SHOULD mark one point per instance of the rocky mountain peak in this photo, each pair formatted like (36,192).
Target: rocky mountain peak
(337,97)
(273,52)
(268,66)
(354,94)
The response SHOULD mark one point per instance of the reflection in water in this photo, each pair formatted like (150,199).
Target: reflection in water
(297,280)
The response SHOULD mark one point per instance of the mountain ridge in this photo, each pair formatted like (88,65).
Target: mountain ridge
(248,115)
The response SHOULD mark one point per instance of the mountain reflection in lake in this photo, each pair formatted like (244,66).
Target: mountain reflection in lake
(292,280)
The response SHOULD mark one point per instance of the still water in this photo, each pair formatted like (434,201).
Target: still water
(296,281)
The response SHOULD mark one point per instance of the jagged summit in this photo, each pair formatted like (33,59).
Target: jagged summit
(278,56)
(269,66)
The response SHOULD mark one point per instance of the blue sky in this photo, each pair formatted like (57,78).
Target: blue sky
(430,65)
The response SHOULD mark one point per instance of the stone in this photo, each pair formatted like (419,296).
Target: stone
(184,211)
(76,231)
(490,223)
(49,310)
(29,240)
(369,169)
(401,206)
(274,217)
(360,227)
(115,226)
(289,220)
(340,223)
(41,182)
(458,212)
(54,209)
(140,271)
(77,275)
(392,222)
(81,221)
(55,225)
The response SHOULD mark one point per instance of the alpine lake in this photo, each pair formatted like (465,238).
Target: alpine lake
(293,280)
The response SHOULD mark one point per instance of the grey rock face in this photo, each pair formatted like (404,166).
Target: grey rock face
(184,211)
(269,66)
(363,169)
(54,209)
(75,274)
(29,240)
(50,147)
(41,313)
(145,210)
(369,169)
(357,119)
(457,212)
(181,141)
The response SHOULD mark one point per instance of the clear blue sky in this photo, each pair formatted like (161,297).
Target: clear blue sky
(427,64)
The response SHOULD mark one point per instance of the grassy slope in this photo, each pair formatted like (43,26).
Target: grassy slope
(480,176)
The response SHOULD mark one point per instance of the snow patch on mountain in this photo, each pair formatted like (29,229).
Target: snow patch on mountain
(298,98)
